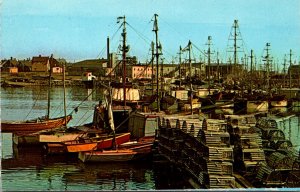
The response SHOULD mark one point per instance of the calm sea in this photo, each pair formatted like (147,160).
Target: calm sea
(28,169)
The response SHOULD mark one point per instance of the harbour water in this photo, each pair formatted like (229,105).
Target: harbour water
(28,169)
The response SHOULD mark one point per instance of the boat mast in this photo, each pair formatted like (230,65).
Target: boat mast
(190,60)
(49,88)
(284,72)
(65,107)
(235,26)
(238,46)
(267,59)
(152,66)
(208,59)
(162,76)
(124,49)
(180,52)
(109,62)
(218,68)
(290,71)
(251,69)
(155,29)
(190,75)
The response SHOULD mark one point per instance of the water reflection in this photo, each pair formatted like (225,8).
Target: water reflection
(225,111)
(120,176)
(68,173)
(278,110)
(31,102)
(296,109)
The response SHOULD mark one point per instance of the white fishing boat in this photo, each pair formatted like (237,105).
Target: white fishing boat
(257,106)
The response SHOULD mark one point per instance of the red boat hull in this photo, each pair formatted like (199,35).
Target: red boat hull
(31,127)
(88,145)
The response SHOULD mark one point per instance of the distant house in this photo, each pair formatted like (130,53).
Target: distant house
(9,66)
(13,70)
(43,64)
(57,65)
(40,64)
(24,65)
(57,70)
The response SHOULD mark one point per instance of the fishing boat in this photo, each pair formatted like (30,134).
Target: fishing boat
(225,100)
(55,135)
(257,103)
(38,124)
(278,101)
(129,151)
(58,136)
(96,143)
(121,155)
(257,106)
(31,126)
(18,82)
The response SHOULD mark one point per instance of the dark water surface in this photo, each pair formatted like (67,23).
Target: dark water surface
(28,169)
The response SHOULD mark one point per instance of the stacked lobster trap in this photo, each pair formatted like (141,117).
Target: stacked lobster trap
(200,147)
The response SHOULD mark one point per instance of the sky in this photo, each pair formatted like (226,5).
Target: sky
(78,29)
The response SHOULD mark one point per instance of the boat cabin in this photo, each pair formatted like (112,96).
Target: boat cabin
(143,124)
